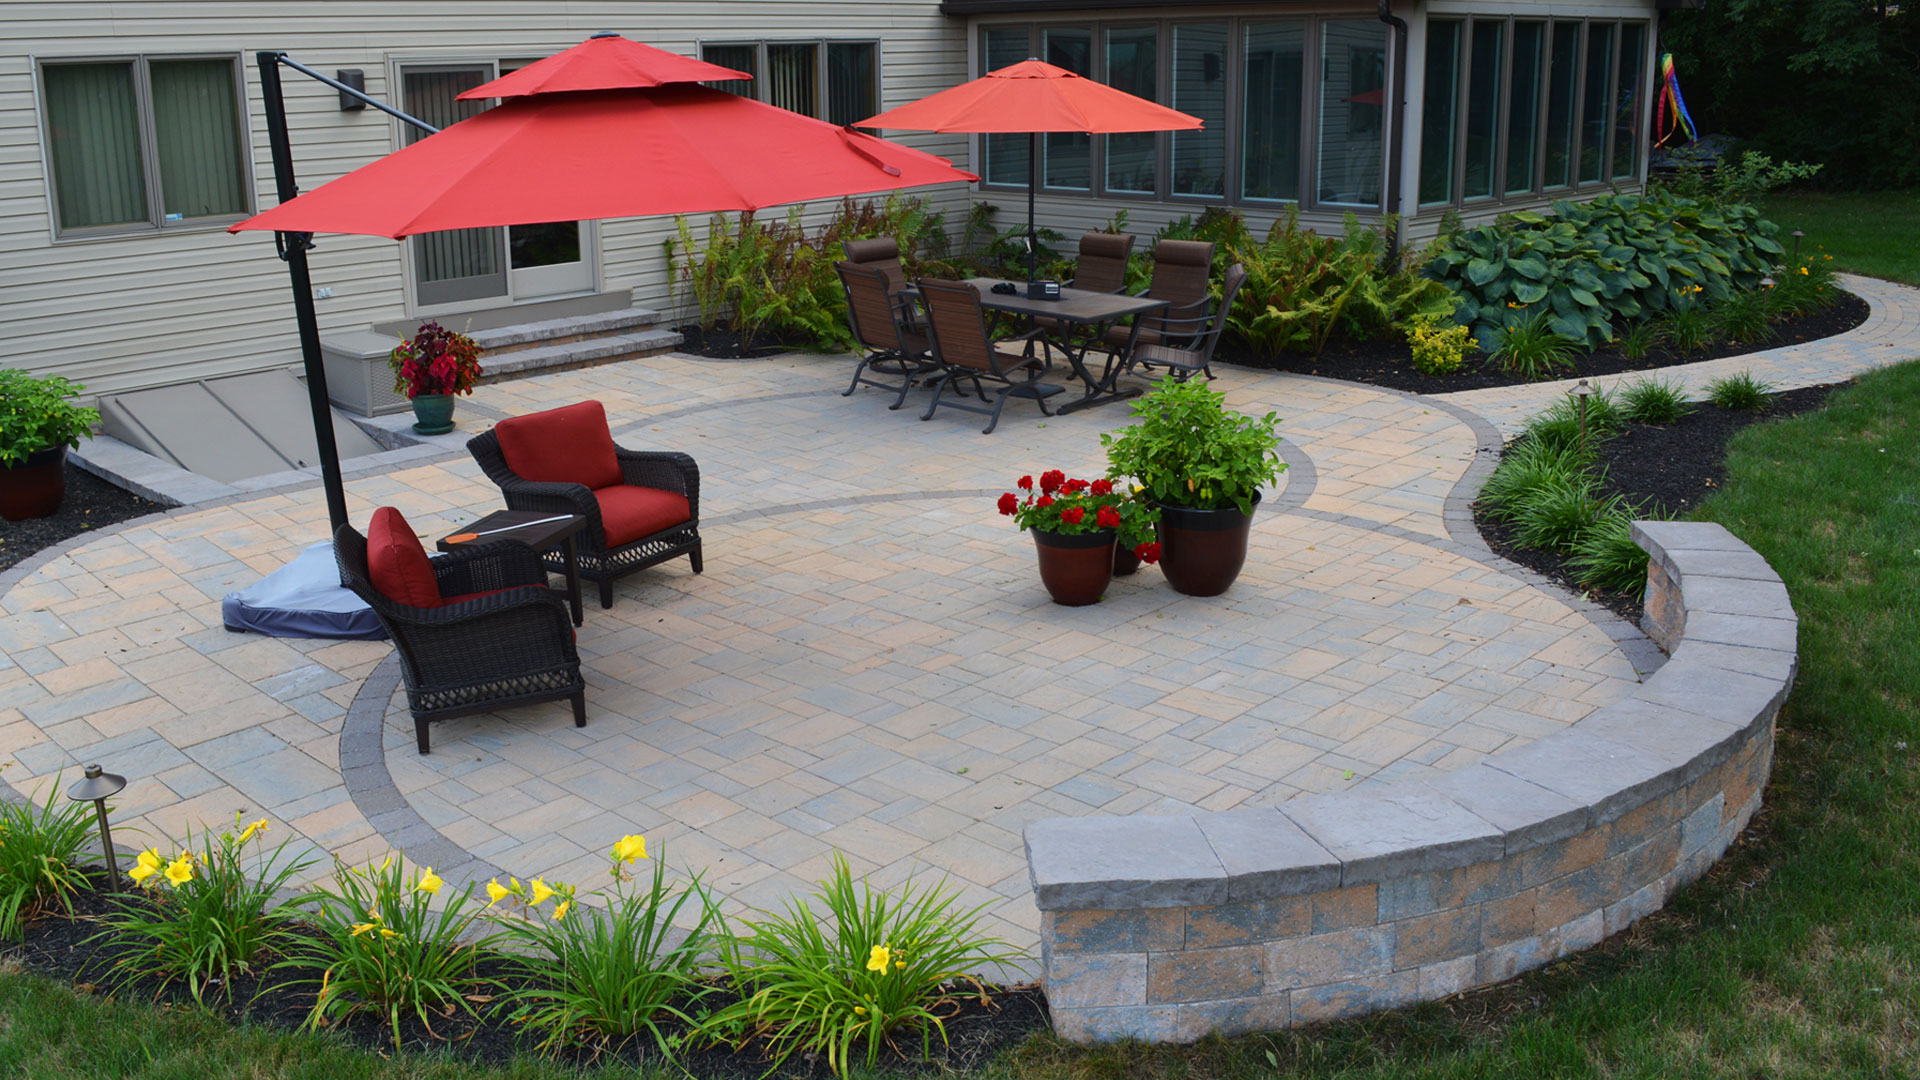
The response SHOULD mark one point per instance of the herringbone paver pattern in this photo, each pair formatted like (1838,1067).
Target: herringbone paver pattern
(869,663)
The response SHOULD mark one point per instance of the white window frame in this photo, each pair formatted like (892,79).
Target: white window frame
(156,222)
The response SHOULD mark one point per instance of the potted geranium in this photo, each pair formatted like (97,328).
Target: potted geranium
(430,367)
(1204,466)
(38,424)
(1076,525)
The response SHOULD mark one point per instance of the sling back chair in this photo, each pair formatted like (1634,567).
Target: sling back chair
(967,352)
(1182,270)
(1182,361)
(878,317)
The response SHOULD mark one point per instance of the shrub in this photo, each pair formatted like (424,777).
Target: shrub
(40,852)
(1187,448)
(1530,348)
(1437,349)
(383,947)
(1638,340)
(1745,317)
(35,415)
(1560,513)
(860,970)
(1528,465)
(1742,391)
(1648,401)
(1733,180)
(211,918)
(1605,556)
(1592,264)
(1804,289)
(605,977)
(1689,329)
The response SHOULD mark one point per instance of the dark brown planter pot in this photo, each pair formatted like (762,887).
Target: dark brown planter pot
(1076,569)
(1125,562)
(34,488)
(1202,551)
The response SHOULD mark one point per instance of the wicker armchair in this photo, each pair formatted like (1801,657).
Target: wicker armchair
(507,639)
(603,557)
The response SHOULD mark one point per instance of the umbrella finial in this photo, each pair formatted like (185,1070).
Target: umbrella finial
(603,34)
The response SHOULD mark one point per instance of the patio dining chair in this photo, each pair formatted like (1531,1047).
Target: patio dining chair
(967,352)
(1182,273)
(477,629)
(642,506)
(1199,336)
(879,318)
(880,253)
(1103,262)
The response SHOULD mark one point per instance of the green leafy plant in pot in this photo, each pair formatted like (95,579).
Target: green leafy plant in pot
(430,367)
(38,425)
(1204,465)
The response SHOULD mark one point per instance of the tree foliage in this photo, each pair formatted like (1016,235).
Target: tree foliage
(1833,81)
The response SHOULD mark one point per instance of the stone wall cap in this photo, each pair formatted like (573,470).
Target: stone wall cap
(1605,774)
(1395,830)
(1266,855)
(1529,815)
(1103,863)
(1691,743)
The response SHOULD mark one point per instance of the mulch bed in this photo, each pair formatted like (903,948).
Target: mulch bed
(56,946)
(724,343)
(91,503)
(1386,361)
(1669,470)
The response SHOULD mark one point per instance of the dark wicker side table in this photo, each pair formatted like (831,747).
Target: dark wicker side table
(541,532)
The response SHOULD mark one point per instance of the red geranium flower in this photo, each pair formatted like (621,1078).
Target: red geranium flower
(1045,501)
(1074,487)
(1103,486)
(1073,515)
(1026,483)
(1009,504)
(1051,480)
(1107,518)
(1148,553)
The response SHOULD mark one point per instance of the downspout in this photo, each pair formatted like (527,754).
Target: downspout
(1396,124)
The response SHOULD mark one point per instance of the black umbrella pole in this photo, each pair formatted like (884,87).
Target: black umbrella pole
(294,251)
(1033,185)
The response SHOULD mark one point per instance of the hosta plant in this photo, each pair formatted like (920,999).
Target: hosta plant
(385,947)
(42,845)
(602,975)
(206,912)
(853,969)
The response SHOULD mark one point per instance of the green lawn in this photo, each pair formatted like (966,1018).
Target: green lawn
(1798,956)
(1877,233)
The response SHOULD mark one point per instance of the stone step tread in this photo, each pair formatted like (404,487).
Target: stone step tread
(575,352)
(524,334)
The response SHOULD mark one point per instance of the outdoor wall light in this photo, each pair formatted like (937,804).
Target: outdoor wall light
(97,787)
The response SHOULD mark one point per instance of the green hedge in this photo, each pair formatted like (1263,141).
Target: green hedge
(1589,265)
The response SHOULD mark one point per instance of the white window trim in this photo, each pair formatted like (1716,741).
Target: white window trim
(156,222)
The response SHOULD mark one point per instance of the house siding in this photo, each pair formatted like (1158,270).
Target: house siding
(153,308)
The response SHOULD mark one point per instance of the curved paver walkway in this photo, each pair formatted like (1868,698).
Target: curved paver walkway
(869,662)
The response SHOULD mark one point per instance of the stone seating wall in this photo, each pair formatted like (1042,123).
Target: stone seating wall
(1165,928)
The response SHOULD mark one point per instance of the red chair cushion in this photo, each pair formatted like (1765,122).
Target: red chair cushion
(397,563)
(569,445)
(628,513)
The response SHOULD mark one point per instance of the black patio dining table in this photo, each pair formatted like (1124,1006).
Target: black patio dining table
(1074,309)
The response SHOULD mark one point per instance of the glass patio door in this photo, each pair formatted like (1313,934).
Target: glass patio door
(464,265)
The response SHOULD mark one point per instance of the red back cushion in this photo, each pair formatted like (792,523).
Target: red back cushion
(569,445)
(628,513)
(397,563)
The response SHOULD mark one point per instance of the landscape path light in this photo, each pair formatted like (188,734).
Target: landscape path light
(1797,234)
(97,787)
(1581,393)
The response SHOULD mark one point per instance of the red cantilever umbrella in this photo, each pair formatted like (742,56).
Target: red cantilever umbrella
(569,145)
(1032,97)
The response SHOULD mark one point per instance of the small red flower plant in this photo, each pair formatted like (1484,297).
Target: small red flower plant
(435,360)
(1077,507)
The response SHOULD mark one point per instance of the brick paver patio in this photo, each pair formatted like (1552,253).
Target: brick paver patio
(869,663)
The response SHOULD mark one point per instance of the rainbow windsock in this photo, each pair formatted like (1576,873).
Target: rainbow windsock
(1671,99)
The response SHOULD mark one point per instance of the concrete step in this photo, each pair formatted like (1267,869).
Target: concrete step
(523,337)
(586,352)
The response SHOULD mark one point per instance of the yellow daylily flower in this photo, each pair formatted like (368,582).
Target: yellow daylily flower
(1803,269)
(429,883)
(258,826)
(859,1010)
(630,848)
(144,867)
(180,871)
(497,892)
(561,909)
(899,964)
(540,892)
(386,934)
(879,958)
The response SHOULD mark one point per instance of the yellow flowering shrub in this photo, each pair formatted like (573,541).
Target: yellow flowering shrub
(1440,347)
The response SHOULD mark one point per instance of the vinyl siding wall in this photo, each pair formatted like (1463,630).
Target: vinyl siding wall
(153,308)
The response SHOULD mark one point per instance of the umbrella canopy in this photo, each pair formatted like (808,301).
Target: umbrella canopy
(675,149)
(1032,97)
(604,61)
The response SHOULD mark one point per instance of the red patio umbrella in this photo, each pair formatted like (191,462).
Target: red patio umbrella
(1032,97)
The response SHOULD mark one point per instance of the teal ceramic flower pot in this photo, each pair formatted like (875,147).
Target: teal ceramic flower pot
(433,413)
